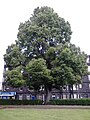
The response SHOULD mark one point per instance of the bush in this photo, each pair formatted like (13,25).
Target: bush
(70,102)
(51,102)
(20,102)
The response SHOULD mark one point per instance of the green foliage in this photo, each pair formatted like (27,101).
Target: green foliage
(70,102)
(43,30)
(20,102)
(38,73)
(84,102)
(69,65)
(44,54)
(14,78)
(13,57)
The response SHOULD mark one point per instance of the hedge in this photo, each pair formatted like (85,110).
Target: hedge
(51,102)
(20,102)
(70,102)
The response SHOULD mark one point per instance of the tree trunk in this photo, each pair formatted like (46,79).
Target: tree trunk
(70,91)
(61,93)
(47,96)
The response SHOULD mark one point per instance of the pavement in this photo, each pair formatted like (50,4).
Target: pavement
(43,107)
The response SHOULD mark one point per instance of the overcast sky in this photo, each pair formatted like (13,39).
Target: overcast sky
(12,12)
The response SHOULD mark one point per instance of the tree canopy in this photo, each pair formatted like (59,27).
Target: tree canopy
(44,53)
(43,30)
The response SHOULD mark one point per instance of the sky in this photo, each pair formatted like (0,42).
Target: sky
(12,12)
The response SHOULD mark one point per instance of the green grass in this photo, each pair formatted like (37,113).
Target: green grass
(45,114)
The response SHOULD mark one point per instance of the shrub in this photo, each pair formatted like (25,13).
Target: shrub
(20,102)
(70,102)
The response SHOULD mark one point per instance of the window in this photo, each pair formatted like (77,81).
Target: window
(89,85)
(80,85)
(78,96)
(67,87)
(53,96)
(57,96)
(64,96)
(88,60)
(75,96)
(88,68)
(67,96)
(28,97)
(74,87)
(20,97)
(89,77)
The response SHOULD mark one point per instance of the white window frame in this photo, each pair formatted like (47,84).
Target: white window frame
(75,96)
(80,86)
(74,87)
(88,68)
(67,87)
(28,97)
(64,96)
(89,77)
(89,85)
(88,60)
(20,97)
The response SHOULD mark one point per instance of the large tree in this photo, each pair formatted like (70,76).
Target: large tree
(44,52)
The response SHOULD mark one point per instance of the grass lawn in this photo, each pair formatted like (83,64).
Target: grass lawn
(45,114)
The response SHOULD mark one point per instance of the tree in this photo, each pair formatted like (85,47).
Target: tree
(44,52)
(69,67)
(39,76)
